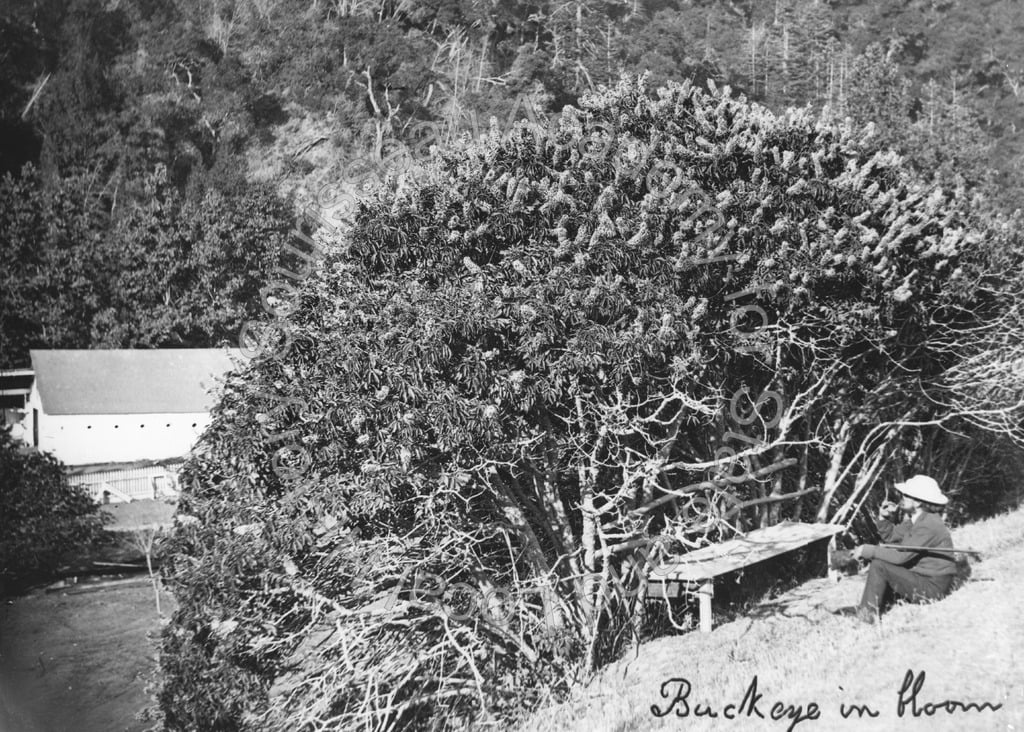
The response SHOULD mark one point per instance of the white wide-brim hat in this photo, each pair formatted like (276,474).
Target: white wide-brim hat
(924,489)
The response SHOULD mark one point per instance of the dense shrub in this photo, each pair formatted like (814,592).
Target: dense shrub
(44,518)
(505,371)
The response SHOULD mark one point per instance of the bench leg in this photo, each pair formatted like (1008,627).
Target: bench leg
(830,548)
(705,592)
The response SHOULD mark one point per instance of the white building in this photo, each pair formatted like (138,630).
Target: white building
(91,407)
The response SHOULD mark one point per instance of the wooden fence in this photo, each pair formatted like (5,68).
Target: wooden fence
(130,484)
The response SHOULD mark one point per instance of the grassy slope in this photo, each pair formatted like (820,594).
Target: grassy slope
(970,646)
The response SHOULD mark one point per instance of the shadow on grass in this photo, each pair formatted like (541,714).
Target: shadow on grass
(745,593)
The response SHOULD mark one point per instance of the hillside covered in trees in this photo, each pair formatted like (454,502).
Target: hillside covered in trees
(176,130)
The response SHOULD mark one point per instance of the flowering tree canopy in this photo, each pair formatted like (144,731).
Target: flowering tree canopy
(652,325)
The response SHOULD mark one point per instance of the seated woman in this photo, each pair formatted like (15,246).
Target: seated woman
(914,575)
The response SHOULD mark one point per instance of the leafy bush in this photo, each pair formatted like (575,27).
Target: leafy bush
(511,373)
(44,518)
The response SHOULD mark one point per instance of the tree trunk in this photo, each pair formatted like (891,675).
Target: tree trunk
(835,464)
(153,579)
(532,551)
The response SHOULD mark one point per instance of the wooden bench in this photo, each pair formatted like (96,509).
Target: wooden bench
(698,569)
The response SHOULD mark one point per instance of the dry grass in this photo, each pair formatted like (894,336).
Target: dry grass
(970,647)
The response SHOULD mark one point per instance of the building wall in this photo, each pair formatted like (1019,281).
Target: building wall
(81,439)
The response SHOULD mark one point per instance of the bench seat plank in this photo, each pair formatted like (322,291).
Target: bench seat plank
(698,569)
(743,551)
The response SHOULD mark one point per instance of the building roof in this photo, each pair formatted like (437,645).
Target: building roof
(129,381)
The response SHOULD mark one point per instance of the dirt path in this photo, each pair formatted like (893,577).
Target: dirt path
(967,648)
(77,662)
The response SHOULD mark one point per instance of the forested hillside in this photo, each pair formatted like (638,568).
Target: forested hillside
(151,145)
